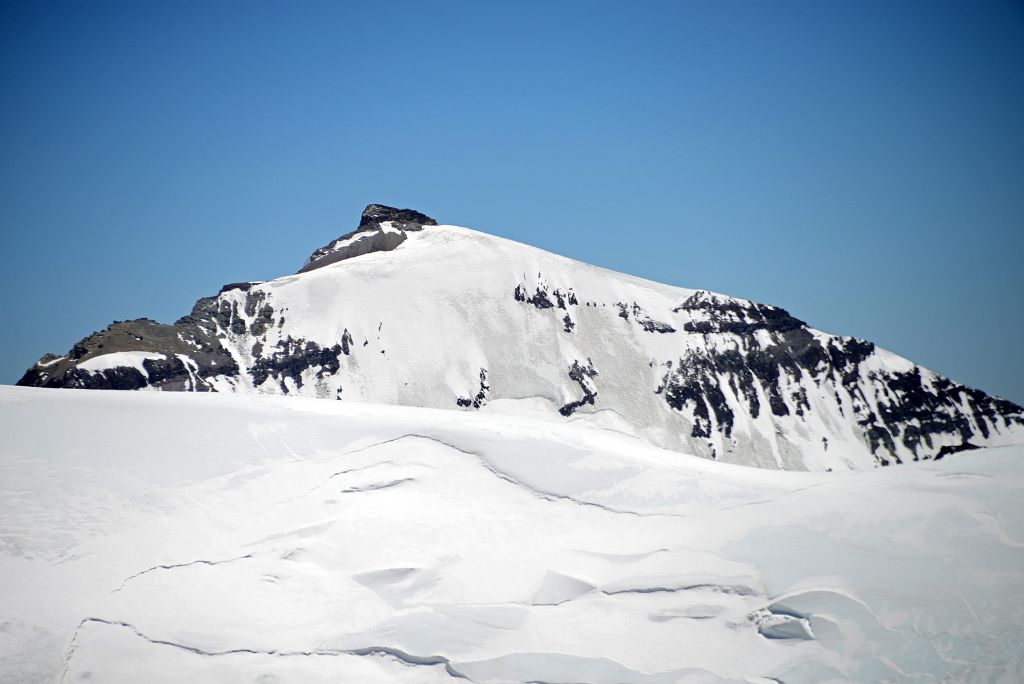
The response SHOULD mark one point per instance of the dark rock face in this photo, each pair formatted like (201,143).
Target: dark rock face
(651,325)
(291,358)
(261,313)
(542,297)
(647,323)
(582,376)
(381,229)
(946,450)
(751,347)
(481,395)
(403,219)
(914,412)
(187,337)
(539,298)
(346,342)
(244,287)
(724,314)
(195,356)
(791,353)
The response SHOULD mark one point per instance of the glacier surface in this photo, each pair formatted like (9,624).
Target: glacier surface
(168,537)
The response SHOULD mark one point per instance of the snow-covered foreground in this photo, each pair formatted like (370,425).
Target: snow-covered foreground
(213,538)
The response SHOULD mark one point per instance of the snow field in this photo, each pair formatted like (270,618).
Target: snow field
(161,537)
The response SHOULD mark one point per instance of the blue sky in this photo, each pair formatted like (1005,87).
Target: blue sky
(860,164)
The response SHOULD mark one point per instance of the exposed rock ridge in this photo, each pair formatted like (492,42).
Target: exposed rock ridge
(405,219)
(381,229)
(752,351)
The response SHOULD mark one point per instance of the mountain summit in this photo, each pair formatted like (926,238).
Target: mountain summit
(381,229)
(405,311)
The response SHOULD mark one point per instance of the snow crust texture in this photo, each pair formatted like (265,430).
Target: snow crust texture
(168,537)
(404,311)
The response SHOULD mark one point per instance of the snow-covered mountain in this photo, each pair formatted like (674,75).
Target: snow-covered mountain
(506,492)
(168,537)
(405,311)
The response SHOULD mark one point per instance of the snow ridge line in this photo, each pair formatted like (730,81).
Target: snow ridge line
(733,589)
(539,493)
(174,566)
(337,474)
(356,470)
(375,487)
(395,653)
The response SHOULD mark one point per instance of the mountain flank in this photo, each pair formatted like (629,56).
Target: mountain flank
(403,310)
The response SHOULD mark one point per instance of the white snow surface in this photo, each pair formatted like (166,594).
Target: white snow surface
(426,317)
(125,359)
(165,537)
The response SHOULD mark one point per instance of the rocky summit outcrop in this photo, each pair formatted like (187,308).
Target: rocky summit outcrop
(381,229)
(454,318)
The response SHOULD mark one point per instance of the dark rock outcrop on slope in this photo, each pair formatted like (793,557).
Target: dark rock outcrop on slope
(204,358)
(195,358)
(381,229)
(647,323)
(290,358)
(193,351)
(584,377)
(403,219)
(481,394)
(755,350)
(541,297)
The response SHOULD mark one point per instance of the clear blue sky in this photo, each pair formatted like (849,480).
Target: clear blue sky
(860,164)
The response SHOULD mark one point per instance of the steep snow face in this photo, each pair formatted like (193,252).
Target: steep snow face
(448,317)
(215,538)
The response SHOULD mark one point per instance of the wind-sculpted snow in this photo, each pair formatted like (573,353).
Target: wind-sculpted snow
(403,311)
(213,538)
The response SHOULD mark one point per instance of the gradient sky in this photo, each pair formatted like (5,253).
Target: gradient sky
(860,164)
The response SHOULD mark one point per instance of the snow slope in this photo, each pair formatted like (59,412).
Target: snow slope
(448,317)
(165,537)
